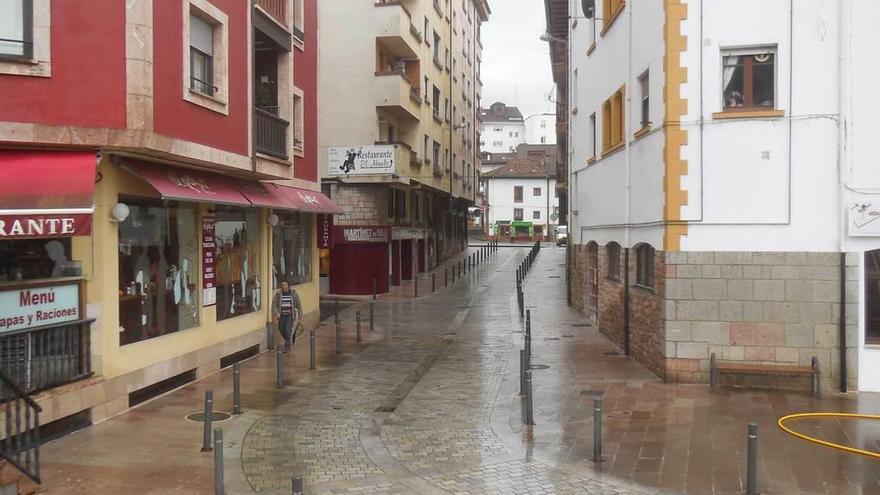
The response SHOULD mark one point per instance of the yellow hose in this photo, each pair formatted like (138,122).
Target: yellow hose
(868,453)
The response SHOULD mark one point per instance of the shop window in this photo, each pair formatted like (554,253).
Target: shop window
(29,259)
(612,253)
(645,265)
(749,78)
(292,249)
(158,270)
(517,214)
(872,297)
(237,240)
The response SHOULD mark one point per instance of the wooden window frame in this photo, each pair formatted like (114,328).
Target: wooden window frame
(749,108)
(613,122)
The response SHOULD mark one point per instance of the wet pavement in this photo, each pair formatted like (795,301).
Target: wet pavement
(429,405)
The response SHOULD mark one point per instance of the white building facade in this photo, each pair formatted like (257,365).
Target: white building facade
(522,200)
(502,129)
(541,128)
(722,182)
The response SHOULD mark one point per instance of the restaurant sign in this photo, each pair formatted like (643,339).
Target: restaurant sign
(38,306)
(353,234)
(325,231)
(20,226)
(363,160)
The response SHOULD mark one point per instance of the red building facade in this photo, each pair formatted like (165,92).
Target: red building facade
(160,174)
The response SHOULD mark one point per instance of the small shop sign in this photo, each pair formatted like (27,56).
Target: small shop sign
(325,231)
(209,251)
(363,160)
(38,306)
(360,234)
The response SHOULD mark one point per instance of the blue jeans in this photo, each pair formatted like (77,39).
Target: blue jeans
(285,326)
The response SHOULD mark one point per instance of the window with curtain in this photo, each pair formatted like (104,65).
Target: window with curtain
(292,249)
(237,239)
(158,260)
(16,28)
(201,55)
(749,78)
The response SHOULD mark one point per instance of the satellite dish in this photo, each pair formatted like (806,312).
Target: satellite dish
(589,7)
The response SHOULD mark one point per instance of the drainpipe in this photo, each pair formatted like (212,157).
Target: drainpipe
(626,301)
(842,98)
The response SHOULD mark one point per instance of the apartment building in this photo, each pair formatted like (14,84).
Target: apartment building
(540,128)
(157,180)
(400,98)
(522,200)
(503,128)
(722,186)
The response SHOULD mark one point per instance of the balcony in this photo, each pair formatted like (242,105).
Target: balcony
(394,94)
(270,134)
(395,29)
(275,8)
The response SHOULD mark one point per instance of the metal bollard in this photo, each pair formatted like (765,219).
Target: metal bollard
(236,388)
(270,336)
(371,316)
(313,361)
(433,282)
(338,337)
(279,369)
(206,421)
(296,485)
(530,417)
(522,372)
(597,429)
(752,461)
(445,277)
(415,286)
(529,323)
(218,461)
(358,327)
(336,308)
(374,289)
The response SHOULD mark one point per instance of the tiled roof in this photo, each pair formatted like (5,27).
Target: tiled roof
(523,166)
(499,112)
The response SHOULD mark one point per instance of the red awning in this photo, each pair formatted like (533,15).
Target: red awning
(309,201)
(46,193)
(262,194)
(190,185)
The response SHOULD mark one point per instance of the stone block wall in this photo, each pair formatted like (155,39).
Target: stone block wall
(579,277)
(758,307)
(647,332)
(363,205)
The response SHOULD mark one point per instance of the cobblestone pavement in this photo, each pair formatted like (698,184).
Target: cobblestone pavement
(425,390)
(429,405)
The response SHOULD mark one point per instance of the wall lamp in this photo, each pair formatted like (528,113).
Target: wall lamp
(119,213)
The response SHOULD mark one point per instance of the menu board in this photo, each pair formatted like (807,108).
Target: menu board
(209,250)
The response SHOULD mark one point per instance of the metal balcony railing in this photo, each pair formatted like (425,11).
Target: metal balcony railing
(270,134)
(274,7)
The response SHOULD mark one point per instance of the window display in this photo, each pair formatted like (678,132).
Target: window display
(237,261)
(158,270)
(29,259)
(292,249)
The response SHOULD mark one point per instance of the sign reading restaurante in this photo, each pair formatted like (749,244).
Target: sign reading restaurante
(39,306)
(362,160)
(22,226)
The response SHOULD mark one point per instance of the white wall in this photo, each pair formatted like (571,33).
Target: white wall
(541,129)
(502,137)
(501,205)
(601,203)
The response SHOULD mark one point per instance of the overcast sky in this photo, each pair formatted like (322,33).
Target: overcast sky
(516,63)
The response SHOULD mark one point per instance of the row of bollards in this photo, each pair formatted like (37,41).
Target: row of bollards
(522,271)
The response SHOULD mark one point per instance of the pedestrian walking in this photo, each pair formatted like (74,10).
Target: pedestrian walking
(287,310)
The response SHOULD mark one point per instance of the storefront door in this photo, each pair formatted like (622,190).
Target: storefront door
(422,255)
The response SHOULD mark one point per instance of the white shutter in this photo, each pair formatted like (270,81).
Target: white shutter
(201,35)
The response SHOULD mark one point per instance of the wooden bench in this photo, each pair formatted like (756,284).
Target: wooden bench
(718,367)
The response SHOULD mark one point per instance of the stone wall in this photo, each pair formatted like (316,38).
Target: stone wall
(761,307)
(579,277)
(363,204)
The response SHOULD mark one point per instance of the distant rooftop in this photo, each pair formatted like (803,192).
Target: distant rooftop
(499,112)
(522,166)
